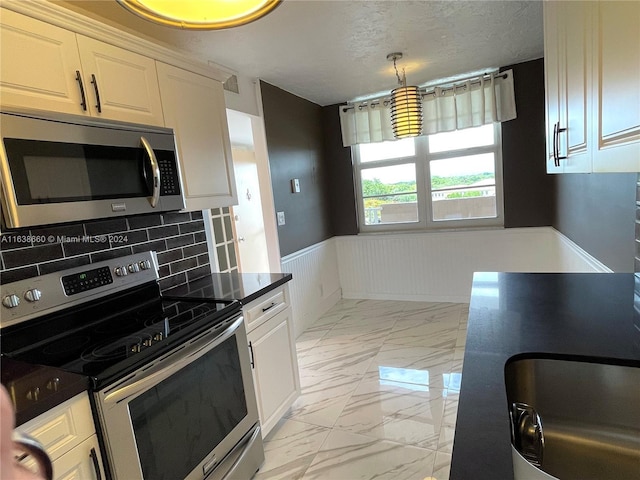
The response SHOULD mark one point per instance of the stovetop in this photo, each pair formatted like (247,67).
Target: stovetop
(111,331)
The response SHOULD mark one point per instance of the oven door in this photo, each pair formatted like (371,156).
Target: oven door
(183,415)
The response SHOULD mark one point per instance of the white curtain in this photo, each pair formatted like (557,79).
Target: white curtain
(471,104)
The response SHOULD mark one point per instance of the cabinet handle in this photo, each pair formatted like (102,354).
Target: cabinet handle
(95,87)
(555,148)
(83,103)
(253,365)
(273,304)
(560,130)
(96,464)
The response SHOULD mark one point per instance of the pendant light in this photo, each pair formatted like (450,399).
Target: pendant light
(200,14)
(406,105)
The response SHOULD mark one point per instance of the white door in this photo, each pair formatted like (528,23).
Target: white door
(247,214)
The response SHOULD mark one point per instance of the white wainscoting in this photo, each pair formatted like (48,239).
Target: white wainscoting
(439,266)
(316,283)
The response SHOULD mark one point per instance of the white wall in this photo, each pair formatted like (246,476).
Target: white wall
(435,267)
(439,266)
(316,282)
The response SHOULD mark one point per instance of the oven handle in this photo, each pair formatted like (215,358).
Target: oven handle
(193,351)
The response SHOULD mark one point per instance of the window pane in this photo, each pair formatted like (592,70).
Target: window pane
(370,152)
(458,139)
(463,187)
(389,194)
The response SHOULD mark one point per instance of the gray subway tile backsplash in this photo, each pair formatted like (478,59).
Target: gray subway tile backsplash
(178,238)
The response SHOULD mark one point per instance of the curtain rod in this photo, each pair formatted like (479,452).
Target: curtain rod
(428,91)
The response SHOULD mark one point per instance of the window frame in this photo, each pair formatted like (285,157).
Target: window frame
(421,159)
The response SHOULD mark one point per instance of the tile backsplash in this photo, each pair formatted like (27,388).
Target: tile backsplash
(178,238)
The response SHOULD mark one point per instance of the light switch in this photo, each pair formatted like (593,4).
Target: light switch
(280,218)
(295,185)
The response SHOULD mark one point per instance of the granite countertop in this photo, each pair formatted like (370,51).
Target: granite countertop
(591,316)
(244,287)
(54,387)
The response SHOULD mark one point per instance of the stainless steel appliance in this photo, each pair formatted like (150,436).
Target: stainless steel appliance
(61,168)
(172,388)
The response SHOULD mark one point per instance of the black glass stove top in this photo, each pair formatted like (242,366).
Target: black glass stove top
(111,338)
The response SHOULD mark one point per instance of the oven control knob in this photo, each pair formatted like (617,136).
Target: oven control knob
(32,295)
(133,268)
(121,271)
(11,301)
(144,264)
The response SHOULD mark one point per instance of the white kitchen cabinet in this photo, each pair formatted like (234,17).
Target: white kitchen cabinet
(568,86)
(617,75)
(46,67)
(592,82)
(194,107)
(273,355)
(68,434)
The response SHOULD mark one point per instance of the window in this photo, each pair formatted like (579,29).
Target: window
(446,180)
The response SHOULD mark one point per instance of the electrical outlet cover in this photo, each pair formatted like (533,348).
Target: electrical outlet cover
(280,218)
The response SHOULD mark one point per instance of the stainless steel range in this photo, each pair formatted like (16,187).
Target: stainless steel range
(173,395)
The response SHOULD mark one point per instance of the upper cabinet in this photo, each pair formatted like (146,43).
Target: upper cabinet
(194,108)
(58,61)
(45,67)
(592,81)
(617,88)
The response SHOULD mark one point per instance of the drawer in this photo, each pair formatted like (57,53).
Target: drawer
(265,307)
(63,427)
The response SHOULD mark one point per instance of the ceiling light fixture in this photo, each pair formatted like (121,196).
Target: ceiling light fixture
(200,14)
(406,105)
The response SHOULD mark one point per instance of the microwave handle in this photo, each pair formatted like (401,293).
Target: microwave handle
(156,172)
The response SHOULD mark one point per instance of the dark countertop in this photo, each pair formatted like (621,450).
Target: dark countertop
(20,379)
(585,315)
(243,287)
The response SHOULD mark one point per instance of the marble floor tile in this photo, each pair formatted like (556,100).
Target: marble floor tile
(441,466)
(390,411)
(380,386)
(323,397)
(401,363)
(329,356)
(308,340)
(289,449)
(412,331)
(348,456)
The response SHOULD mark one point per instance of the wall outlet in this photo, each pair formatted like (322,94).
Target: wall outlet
(280,218)
(295,185)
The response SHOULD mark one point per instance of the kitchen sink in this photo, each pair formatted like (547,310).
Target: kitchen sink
(573,418)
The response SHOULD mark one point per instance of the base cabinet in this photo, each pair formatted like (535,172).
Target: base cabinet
(273,358)
(68,434)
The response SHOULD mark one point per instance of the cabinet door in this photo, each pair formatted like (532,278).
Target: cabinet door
(194,107)
(553,82)
(617,68)
(575,141)
(81,463)
(120,85)
(275,368)
(38,66)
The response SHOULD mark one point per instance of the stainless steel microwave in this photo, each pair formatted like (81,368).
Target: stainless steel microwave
(62,168)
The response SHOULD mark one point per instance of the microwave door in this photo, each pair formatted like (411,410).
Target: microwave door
(151,172)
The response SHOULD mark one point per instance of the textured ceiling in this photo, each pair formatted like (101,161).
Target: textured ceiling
(334,51)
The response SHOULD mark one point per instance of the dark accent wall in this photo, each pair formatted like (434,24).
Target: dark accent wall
(293,128)
(339,178)
(597,211)
(178,238)
(529,193)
